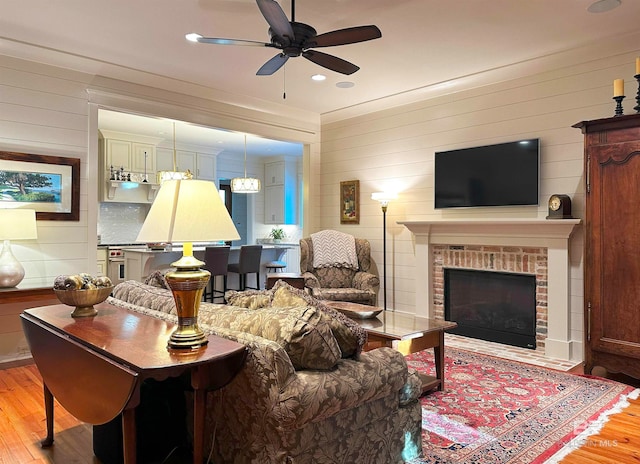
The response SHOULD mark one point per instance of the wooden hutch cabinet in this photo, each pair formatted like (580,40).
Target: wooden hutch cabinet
(612,244)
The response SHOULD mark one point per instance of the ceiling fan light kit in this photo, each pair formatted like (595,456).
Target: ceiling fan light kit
(295,39)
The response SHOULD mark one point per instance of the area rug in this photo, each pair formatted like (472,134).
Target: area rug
(498,411)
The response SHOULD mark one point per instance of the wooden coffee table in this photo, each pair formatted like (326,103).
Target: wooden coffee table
(405,333)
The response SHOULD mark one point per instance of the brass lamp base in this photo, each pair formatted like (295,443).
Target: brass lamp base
(187,285)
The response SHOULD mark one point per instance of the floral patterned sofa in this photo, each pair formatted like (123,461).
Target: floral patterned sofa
(340,283)
(307,394)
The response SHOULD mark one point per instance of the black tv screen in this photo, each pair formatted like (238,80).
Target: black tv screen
(506,174)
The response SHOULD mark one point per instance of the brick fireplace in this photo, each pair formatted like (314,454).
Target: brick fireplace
(517,260)
(520,245)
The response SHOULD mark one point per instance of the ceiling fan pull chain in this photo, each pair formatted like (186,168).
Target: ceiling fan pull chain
(284,82)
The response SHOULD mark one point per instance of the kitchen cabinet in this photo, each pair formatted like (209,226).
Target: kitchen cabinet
(612,244)
(101,260)
(274,173)
(280,192)
(133,157)
(292,258)
(201,165)
(143,159)
(136,155)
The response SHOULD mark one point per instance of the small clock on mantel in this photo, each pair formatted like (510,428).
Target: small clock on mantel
(559,207)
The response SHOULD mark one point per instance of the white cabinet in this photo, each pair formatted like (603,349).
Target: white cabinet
(184,160)
(292,258)
(135,156)
(143,159)
(274,204)
(117,154)
(205,166)
(280,192)
(201,165)
(101,260)
(132,157)
(274,173)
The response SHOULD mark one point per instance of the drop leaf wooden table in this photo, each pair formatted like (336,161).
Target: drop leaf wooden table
(94,366)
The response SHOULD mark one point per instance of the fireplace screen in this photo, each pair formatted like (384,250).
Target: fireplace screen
(493,306)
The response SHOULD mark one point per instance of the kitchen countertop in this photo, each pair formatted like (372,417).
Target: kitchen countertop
(178,249)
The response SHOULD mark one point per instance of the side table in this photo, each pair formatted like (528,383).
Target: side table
(292,278)
(94,366)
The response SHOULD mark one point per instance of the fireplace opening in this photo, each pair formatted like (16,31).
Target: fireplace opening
(493,306)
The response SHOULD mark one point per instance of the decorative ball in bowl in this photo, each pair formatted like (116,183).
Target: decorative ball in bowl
(82,291)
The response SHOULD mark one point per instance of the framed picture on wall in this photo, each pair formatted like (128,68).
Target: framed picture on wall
(350,202)
(48,184)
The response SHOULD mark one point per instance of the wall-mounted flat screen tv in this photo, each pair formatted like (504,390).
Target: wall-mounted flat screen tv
(506,174)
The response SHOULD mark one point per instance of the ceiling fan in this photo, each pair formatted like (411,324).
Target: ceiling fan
(296,39)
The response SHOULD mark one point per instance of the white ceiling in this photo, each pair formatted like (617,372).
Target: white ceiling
(424,42)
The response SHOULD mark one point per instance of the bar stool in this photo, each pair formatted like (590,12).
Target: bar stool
(249,263)
(216,260)
(277,264)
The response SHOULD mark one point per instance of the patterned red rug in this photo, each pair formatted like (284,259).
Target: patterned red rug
(499,411)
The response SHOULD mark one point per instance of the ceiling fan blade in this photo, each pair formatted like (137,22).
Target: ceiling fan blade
(344,36)
(330,62)
(276,18)
(220,41)
(272,65)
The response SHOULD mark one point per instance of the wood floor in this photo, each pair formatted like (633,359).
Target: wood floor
(22,426)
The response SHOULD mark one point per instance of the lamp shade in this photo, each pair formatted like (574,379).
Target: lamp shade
(188,211)
(384,197)
(18,224)
(245,185)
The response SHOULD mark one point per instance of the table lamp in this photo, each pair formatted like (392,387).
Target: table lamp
(15,224)
(187,211)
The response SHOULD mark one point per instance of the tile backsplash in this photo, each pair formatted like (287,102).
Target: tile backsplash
(120,222)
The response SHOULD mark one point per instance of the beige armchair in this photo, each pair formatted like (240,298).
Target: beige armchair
(340,283)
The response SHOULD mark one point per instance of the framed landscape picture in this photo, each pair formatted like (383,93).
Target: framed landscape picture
(350,202)
(48,184)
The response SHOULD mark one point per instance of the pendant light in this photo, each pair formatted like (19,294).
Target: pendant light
(175,174)
(245,184)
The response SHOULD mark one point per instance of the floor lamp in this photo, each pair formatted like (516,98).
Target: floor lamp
(384,198)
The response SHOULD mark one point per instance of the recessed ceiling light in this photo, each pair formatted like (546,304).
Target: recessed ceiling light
(192,37)
(602,6)
(345,84)
(318,77)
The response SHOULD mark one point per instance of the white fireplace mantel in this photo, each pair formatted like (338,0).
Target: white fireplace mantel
(552,234)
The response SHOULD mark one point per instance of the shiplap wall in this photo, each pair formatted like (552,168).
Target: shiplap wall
(394,150)
(46,114)
(48,110)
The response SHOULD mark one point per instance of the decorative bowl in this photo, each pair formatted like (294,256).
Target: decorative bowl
(83,300)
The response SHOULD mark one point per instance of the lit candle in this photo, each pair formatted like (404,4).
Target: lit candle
(637,65)
(187,249)
(618,87)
